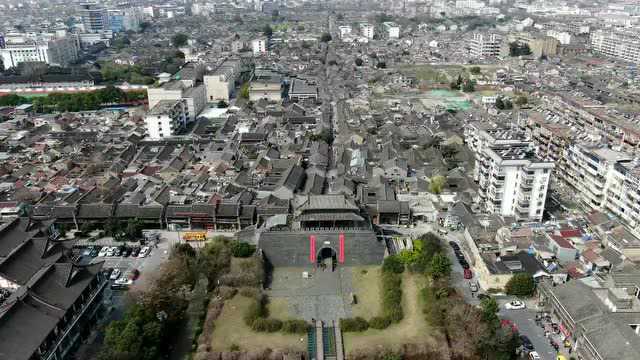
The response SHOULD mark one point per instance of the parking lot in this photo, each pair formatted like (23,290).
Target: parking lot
(146,266)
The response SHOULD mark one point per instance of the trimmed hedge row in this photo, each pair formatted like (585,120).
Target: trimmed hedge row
(392,297)
(391,301)
(356,324)
(257,317)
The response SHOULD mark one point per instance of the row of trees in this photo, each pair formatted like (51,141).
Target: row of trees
(469,332)
(155,314)
(503,103)
(114,73)
(13,100)
(92,100)
(466,85)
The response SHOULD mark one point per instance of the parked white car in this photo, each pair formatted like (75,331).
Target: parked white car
(144,252)
(115,274)
(534,355)
(103,251)
(515,305)
(111,251)
(124,281)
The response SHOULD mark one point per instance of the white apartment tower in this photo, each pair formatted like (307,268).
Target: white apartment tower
(259,46)
(95,17)
(345,30)
(367,30)
(392,30)
(512,180)
(621,45)
(605,180)
(485,46)
(167,118)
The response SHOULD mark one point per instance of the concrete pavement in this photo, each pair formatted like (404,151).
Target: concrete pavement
(526,324)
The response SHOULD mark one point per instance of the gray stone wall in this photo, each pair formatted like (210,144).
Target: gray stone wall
(284,248)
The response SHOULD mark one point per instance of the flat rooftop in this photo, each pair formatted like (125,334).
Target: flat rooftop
(163,107)
(302,87)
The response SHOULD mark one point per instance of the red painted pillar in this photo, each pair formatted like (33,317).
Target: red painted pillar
(341,254)
(312,248)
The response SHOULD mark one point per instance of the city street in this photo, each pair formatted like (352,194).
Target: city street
(526,324)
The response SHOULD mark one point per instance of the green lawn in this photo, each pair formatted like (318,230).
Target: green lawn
(413,329)
(366,287)
(230,329)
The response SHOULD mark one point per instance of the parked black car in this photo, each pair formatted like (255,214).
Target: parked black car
(135,251)
(526,343)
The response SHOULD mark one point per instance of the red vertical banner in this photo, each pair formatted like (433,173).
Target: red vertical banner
(341,254)
(312,248)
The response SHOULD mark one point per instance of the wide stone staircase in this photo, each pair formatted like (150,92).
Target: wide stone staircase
(324,341)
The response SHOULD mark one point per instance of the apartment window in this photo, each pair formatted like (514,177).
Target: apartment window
(546,171)
(538,212)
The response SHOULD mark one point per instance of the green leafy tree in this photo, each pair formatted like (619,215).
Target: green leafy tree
(440,266)
(267,30)
(12,100)
(222,104)
(381,65)
(244,91)
(517,48)
(521,100)
(359,62)
(468,86)
(475,70)
(325,37)
(437,183)
(133,229)
(112,226)
(520,284)
(179,40)
(393,264)
(242,249)
(490,309)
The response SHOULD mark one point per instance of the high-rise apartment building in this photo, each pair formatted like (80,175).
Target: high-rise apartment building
(513,181)
(367,30)
(618,44)
(95,17)
(485,46)
(391,30)
(605,180)
(167,118)
(259,46)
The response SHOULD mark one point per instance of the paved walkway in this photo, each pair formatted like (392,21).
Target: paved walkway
(324,296)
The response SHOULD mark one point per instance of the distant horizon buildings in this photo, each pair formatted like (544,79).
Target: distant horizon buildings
(53,49)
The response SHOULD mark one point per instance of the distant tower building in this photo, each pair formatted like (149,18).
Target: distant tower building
(485,46)
(259,46)
(95,17)
(367,30)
